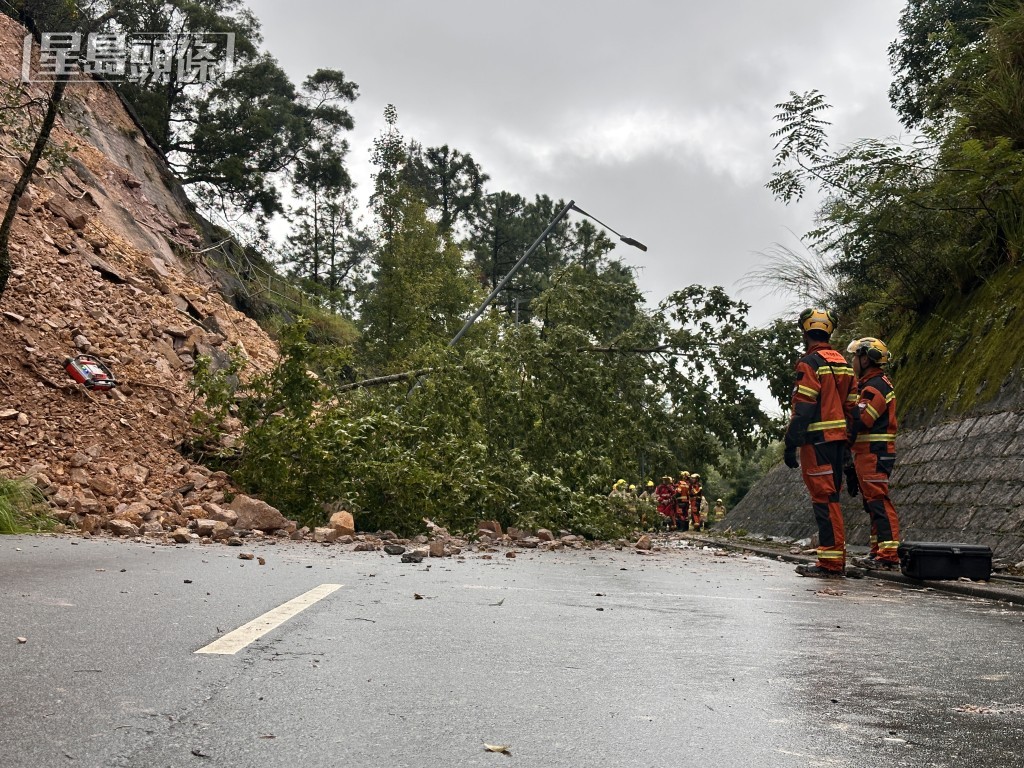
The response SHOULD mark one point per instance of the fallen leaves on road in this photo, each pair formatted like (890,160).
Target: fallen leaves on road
(974,709)
(830,591)
(499,748)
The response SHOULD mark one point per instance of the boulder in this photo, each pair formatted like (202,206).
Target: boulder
(181,536)
(343,522)
(216,512)
(256,515)
(122,528)
(545,535)
(644,542)
(436,548)
(492,527)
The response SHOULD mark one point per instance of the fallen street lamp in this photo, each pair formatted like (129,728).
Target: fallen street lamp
(570,206)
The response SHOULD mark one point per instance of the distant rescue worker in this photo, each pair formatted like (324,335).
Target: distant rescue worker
(719,510)
(873,433)
(705,512)
(824,399)
(618,490)
(694,502)
(683,502)
(647,502)
(665,496)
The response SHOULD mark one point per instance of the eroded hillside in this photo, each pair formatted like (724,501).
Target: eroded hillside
(104,263)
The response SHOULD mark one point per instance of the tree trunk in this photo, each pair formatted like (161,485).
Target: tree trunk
(26,176)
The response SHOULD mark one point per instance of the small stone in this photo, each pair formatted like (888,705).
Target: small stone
(436,548)
(414,556)
(104,484)
(246,556)
(364,546)
(234,541)
(530,542)
(510,555)
(22,640)
(8,413)
(181,536)
(644,542)
(23,420)
(394,549)
(545,535)
(14,317)
(261,560)
(325,535)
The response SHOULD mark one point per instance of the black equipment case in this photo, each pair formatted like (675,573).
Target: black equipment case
(941,560)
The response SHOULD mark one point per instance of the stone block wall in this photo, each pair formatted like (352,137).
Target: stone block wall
(957,481)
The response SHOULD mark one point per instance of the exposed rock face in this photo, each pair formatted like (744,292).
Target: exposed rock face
(100,264)
(256,515)
(957,481)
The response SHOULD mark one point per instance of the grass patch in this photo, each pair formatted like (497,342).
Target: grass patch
(23,507)
(961,355)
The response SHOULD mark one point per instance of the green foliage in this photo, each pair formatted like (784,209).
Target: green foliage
(23,507)
(934,61)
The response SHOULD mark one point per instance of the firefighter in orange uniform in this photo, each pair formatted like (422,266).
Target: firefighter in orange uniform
(694,502)
(665,496)
(873,432)
(824,398)
(683,502)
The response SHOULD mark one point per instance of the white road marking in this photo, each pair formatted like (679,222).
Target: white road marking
(238,639)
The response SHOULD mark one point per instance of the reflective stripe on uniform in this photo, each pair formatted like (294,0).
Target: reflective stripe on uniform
(853,397)
(875,438)
(806,391)
(872,411)
(888,545)
(831,554)
(823,425)
(890,397)
(836,370)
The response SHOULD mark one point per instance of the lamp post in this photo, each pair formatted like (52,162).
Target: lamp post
(570,206)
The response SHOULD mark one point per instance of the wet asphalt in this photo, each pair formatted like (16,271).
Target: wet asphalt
(602,658)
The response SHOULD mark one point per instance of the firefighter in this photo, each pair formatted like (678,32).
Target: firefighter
(873,435)
(823,402)
(647,502)
(665,496)
(618,490)
(694,502)
(719,511)
(683,502)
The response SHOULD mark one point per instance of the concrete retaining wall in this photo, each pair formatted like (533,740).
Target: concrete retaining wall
(958,481)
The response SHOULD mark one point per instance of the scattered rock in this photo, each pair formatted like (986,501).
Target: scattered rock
(394,549)
(545,535)
(414,556)
(256,515)
(491,527)
(530,542)
(122,528)
(436,548)
(325,535)
(644,542)
(510,555)
(182,536)
(246,556)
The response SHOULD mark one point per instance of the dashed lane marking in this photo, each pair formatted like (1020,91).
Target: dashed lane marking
(238,639)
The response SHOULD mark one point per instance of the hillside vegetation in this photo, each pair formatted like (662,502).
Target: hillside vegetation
(922,238)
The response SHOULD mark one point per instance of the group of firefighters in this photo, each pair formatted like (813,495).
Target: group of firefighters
(681,505)
(843,422)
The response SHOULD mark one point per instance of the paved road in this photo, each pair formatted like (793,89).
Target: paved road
(571,659)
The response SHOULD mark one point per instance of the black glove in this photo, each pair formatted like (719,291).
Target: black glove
(851,480)
(790,458)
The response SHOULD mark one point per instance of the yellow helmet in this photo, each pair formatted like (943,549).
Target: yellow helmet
(874,348)
(814,319)
(650,483)
(695,476)
(685,474)
(718,501)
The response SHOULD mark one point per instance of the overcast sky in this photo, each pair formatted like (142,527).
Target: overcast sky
(652,115)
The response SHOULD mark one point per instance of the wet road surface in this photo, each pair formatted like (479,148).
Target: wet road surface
(601,658)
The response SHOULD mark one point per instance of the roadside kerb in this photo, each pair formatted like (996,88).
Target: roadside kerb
(988,591)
